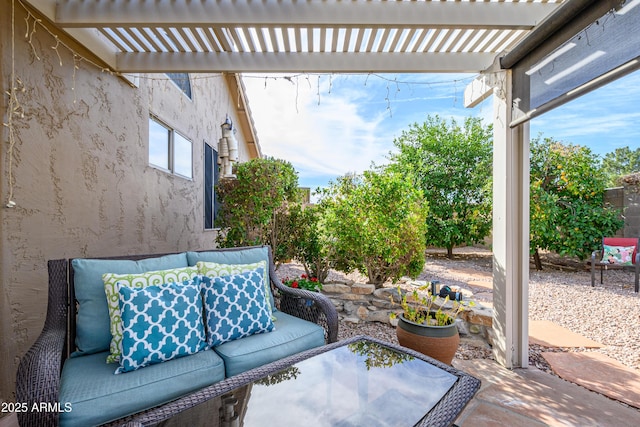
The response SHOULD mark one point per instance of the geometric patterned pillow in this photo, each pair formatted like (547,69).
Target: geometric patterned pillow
(213,269)
(235,306)
(160,323)
(618,254)
(141,280)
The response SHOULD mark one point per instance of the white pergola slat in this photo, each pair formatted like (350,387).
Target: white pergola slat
(297,35)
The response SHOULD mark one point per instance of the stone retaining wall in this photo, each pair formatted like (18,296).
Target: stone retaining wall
(362,302)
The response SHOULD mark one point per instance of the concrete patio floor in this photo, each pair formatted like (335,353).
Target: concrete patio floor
(594,390)
(531,397)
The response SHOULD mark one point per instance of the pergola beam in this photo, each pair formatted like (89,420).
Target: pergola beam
(335,13)
(479,89)
(277,62)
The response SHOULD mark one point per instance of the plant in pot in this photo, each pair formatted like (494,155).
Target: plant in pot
(427,323)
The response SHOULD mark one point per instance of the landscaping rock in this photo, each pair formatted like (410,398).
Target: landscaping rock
(336,288)
(362,289)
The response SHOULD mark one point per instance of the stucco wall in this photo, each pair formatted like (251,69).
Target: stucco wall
(82,184)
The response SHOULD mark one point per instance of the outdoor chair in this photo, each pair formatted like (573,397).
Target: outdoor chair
(620,253)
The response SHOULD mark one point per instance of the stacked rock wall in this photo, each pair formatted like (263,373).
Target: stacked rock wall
(362,302)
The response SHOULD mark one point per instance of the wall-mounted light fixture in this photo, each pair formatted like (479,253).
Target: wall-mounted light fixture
(227,149)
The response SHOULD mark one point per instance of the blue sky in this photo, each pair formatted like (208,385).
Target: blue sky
(330,125)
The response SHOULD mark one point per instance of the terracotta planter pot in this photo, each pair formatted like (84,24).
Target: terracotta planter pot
(439,342)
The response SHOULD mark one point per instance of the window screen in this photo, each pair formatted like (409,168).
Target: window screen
(573,67)
(182,155)
(211,176)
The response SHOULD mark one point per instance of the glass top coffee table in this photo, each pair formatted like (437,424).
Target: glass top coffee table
(352,383)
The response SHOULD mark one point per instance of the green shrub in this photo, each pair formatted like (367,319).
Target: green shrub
(307,244)
(254,206)
(375,223)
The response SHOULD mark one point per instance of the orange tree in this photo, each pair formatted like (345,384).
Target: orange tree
(567,211)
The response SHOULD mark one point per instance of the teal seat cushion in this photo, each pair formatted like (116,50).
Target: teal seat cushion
(291,335)
(93,332)
(243,256)
(96,395)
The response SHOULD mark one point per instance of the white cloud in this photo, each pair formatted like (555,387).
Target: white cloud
(328,126)
(323,135)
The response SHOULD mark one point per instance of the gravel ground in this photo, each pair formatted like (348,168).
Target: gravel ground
(561,293)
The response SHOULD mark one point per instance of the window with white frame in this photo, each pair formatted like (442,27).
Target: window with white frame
(169,150)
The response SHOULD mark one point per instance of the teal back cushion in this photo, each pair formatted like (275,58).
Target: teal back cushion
(243,256)
(92,322)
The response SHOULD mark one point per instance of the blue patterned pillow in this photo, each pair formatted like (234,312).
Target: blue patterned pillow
(160,323)
(235,306)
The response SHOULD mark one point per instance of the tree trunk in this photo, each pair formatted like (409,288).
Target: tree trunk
(537,260)
(450,252)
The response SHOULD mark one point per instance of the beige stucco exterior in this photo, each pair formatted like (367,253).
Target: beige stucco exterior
(81,179)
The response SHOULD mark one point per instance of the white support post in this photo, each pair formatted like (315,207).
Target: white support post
(510,230)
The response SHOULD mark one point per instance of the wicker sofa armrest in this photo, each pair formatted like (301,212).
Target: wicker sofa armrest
(38,376)
(307,305)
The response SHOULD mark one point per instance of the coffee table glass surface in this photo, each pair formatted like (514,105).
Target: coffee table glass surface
(357,382)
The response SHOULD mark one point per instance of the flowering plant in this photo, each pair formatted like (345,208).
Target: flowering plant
(304,282)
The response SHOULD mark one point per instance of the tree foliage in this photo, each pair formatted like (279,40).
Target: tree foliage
(306,242)
(452,165)
(254,206)
(375,223)
(567,212)
(619,163)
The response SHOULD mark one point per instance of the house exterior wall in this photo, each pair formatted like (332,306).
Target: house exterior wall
(81,179)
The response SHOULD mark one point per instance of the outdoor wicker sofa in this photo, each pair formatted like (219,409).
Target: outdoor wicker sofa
(56,370)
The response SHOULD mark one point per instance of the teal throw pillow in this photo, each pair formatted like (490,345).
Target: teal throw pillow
(113,281)
(214,269)
(235,306)
(160,323)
